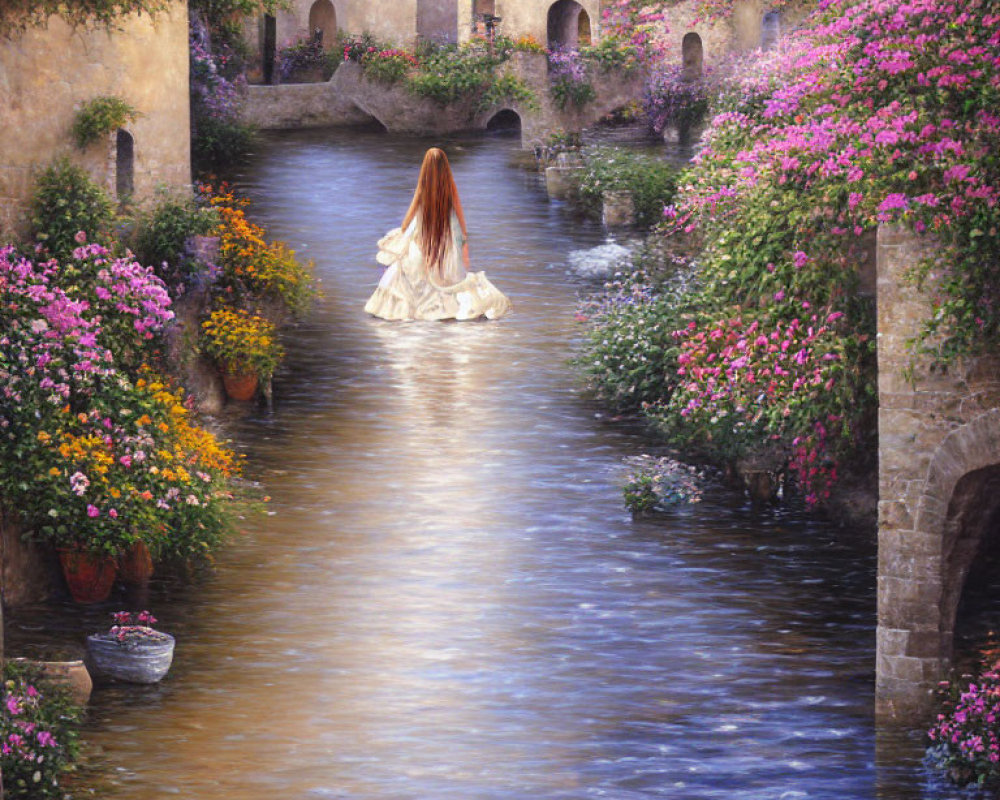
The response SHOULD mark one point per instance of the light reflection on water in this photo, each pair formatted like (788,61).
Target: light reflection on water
(448,600)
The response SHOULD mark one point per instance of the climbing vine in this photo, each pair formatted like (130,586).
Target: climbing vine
(17,15)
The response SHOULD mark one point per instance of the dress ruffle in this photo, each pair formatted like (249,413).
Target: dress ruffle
(406,292)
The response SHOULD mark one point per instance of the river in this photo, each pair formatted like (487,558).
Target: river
(446,599)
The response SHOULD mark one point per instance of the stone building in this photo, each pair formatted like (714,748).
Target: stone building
(48,73)
(939,476)
(553,23)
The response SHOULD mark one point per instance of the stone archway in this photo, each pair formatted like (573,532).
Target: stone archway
(970,538)
(368,121)
(564,24)
(924,561)
(584,36)
(323,22)
(692,57)
(268,46)
(124,165)
(506,121)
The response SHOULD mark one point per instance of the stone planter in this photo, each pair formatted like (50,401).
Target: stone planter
(148,662)
(562,182)
(70,675)
(619,209)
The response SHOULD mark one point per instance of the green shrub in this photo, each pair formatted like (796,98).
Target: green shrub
(219,142)
(630,342)
(612,55)
(161,235)
(100,116)
(651,181)
(508,89)
(387,66)
(455,73)
(67,201)
(660,483)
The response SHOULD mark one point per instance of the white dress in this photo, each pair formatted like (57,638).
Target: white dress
(407,291)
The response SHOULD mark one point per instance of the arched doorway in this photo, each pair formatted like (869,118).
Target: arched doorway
(323,22)
(583,34)
(124,165)
(692,57)
(564,24)
(770,29)
(506,121)
(970,548)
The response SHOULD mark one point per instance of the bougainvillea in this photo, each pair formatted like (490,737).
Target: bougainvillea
(965,738)
(874,112)
(638,24)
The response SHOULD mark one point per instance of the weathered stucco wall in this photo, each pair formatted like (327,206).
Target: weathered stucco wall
(939,484)
(48,73)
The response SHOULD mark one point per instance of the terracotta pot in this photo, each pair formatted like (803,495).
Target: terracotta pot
(135,565)
(145,663)
(89,576)
(240,387)
(70,675)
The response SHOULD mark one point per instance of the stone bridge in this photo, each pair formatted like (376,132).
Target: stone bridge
(939,486)
(349,99)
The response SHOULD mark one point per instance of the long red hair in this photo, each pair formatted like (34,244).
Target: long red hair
(435,198)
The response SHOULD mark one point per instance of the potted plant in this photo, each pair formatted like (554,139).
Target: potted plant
(131,650)
(244,346)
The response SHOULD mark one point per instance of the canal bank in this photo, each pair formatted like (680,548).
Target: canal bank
(447,598)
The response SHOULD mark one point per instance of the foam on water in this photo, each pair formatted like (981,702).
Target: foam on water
(600,261)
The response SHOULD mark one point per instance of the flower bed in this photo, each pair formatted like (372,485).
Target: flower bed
(95,457)
(812,145)
(38,725)
(965,739)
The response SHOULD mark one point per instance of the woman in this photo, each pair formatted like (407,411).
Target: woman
(428,257)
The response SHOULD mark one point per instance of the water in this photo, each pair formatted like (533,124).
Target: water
(446,599)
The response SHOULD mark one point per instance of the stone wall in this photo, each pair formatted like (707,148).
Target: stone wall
(28,573)
(46,74)
(939,484)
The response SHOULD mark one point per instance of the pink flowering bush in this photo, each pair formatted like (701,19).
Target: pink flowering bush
(743,383)
(965,739)
(38,727)
(93,452)
(873,112)
(636,24)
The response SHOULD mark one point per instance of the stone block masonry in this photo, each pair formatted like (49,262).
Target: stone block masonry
(939,484)
(47,73)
